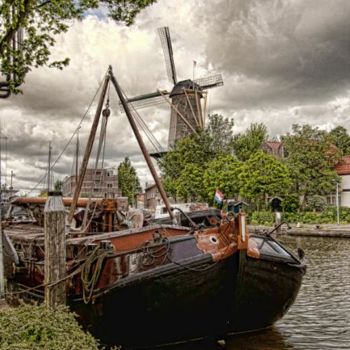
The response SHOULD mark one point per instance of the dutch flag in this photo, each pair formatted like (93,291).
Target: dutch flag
(219,196)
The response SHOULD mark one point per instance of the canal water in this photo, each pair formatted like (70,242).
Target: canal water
(320,317)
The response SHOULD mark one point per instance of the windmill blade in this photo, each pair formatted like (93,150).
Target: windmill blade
(165,39)
(210,81)
(147,100)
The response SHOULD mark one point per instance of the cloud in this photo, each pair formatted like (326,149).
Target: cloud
(283,62)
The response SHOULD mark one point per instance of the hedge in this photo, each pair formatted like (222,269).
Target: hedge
(35,327)
(327,216)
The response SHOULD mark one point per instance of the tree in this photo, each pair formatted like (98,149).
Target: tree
(246,144)
(128,181)
(222,173)
(311,157)
(189,185)
(220,130)
(262,175)
(41,20)
(196,149)
(58,185)
(341,139)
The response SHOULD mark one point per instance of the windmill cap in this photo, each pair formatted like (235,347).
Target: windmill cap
(187,85)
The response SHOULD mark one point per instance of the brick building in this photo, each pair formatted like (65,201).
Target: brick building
(100,183)
(152,197)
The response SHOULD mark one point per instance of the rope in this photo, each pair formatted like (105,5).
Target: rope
(141,123)
(91,271)
(84,269)
(43,285)
(68,143)
(152,253)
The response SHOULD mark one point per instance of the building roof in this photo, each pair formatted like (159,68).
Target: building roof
(185,84)
(149,187)
(274,145)
(343,167)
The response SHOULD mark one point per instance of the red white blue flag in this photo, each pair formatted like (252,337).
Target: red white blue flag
(219,196)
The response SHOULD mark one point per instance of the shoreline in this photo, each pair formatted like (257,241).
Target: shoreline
(308,230)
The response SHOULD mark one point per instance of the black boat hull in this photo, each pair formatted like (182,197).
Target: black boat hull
(197,299)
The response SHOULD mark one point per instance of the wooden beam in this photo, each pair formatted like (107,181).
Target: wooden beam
(88,150)
(55,250)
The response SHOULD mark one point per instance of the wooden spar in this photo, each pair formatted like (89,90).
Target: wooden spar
(141,144)
(194,114)
(200,117)
(179,113)
(205,106)
(67,201)
(88,149)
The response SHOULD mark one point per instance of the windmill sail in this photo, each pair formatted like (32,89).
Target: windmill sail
(165,39)
(210,81)
(146,100)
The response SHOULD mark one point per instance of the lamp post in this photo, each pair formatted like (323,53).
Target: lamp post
(337,202)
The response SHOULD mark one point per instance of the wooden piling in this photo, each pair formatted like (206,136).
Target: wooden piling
(55,250)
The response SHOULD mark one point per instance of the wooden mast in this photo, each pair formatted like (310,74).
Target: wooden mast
(88,149)
(141,144)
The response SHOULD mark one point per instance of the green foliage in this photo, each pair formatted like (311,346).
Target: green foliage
(222,173)
(193,149)
(262,218)
(311,158)
(128,181)
(263,175)
(340,138)
(190,183)
(42,21)
(58,185)
(316,203)
(220,130)
(246,144)
(183,167)
(327,216)
(290,203)
(37,327)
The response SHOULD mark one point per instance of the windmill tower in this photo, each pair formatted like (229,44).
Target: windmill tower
(185,97)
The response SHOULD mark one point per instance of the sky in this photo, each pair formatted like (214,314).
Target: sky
(283,62)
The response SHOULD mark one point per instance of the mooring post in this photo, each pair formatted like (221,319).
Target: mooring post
(2,275)
(55,250)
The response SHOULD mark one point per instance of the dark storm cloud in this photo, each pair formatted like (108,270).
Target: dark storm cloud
(284,52)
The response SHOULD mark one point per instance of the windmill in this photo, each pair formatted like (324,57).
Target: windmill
(184,98)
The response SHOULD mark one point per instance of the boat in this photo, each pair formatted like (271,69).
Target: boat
(162,282)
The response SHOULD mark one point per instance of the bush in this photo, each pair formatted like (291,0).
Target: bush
(326,216)
(37,327)
(316,203)
(262,218)
(290,203)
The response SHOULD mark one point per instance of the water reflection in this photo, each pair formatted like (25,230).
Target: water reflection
(320,317)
